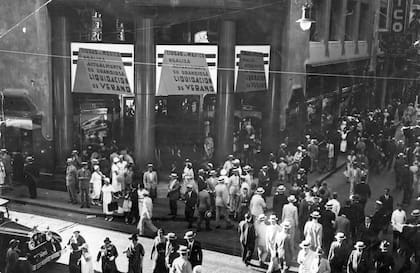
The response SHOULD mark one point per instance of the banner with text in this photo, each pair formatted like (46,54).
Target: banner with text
(184,73)
(251,74)
(100,72)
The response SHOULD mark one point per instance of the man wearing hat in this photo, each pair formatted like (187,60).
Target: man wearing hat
(77,239)
(83,176)
(328,224)
(108,253)
(146,215)
(135,254)
(306,257)
(272,230)
(173,195)
(415,217)
(313,231)
(290,214)
(150,181)
(279,200)
(195,253)
(257,205)
(221,201)
(12,257)
(398,219)
(181,264)
(384,261)
(283,242)
(247,237)
(71,181)
(30,176)
(264,181)
(171,249)
(228,165)
(321,264)
(358,261)
(191,200)
(364,191)
(339,253)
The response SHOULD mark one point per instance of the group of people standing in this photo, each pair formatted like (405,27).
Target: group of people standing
(168,254)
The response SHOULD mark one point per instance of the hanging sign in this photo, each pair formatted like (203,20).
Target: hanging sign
(251,74)
(184,73)
(101,72)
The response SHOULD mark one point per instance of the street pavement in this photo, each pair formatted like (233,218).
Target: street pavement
(213,262)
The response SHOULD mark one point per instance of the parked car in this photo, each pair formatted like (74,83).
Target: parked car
(37,247)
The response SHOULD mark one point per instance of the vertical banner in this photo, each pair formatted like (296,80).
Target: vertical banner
(184,73)
(251,74)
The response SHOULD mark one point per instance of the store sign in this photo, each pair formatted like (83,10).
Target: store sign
(251,75)
(399,15)
(100,71)
(126,52)
(210,52)
(184,73)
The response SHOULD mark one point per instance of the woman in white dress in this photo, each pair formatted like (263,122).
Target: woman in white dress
(96,181)
(114,175)
(107,191)
(86,261)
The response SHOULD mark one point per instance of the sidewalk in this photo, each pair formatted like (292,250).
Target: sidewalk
(226,241)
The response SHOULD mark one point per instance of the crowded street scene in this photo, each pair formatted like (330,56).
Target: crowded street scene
(190,136)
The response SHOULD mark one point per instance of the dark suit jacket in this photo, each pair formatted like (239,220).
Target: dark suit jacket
(363,190)
(195,254)
(191,201)
(363,265)
(367,235)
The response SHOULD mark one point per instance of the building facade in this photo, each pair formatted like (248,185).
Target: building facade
(307,69)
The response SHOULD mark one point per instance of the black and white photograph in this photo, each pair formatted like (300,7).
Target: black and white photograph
(210,136)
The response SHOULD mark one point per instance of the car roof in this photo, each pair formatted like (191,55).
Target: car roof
(14,229)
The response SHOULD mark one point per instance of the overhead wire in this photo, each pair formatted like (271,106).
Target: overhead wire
(200,19)
(220,68)
(24,19)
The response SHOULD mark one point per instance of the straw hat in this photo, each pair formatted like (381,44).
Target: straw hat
(315,214)
(260,190)
(273,217)
(340,236)
(360,245)
(183,250)
(171,236)
(189,235)
(415,213)
(281,188)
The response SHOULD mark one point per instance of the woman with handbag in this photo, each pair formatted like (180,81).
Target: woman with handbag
(107,194)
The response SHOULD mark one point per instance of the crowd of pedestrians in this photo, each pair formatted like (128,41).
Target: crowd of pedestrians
(305,215)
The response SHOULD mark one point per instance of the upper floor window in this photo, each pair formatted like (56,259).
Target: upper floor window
(350,20)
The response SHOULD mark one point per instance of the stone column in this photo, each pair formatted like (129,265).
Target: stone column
(63,102)
(270,137)
(225,105)
(144,91)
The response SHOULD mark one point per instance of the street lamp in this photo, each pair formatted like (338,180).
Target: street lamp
(305,22)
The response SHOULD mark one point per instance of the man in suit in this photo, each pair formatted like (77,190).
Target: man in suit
(264,181)
(366,232)
(358,261)
(171,248)
(279,200)
(195,253)
(247,238)
(150,181)
(339,253)
(363,190)
(191,199)
(387,205)
(173,194)
(83,176)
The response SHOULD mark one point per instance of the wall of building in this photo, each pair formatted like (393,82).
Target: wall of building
(24,50)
